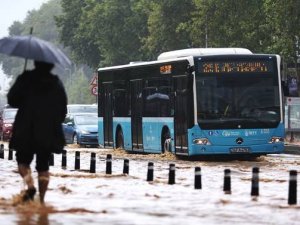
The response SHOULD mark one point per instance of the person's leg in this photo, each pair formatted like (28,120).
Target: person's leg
(43,180)
(25,172)
(42,166)
(24,161)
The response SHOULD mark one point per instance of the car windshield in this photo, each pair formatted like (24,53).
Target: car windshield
(9,114)
(86,120)
(82,108)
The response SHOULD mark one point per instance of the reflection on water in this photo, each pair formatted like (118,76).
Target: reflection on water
(33,219)
(32,213)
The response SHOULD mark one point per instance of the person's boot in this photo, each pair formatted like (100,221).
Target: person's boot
(43,180)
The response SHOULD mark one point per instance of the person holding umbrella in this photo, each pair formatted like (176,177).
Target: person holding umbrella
(42,106)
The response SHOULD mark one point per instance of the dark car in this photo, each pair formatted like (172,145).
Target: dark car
(81,128)
(7,118)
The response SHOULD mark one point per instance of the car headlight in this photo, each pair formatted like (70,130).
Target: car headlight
(276,140)
(85,132)
(201,141)
(7,125)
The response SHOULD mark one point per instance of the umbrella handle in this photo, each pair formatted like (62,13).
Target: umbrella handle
(30,33)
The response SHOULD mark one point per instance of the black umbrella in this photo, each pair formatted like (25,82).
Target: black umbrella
(30,47)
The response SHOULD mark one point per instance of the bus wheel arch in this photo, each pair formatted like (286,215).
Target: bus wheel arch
(166,140)
(119,138)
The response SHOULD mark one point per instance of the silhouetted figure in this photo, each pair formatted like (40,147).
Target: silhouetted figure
(42,106)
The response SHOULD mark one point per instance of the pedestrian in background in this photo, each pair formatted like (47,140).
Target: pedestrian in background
(42,106)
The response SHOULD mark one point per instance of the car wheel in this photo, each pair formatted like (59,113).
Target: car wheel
(75,140)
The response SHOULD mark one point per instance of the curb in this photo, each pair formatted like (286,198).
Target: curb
(291,149)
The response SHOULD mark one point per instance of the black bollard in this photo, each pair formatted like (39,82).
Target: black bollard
(292,200)
(254,182)
(150,171)
(64,159)
(10,154)
(2,151)
(108,163)
(198,183)
(51,159)
(77,160)
(93,163)
(126,166)
(227,181)
(172,174)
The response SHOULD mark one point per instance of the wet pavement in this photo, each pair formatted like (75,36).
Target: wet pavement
(81,197)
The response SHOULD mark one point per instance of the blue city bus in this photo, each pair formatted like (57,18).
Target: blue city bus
(190,102)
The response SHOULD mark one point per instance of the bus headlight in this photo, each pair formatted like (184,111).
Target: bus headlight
(201,141)
(276,140)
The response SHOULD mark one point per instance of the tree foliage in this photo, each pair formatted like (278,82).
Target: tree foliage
(111,32)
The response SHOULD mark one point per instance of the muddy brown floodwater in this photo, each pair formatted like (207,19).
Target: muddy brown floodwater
(81,197)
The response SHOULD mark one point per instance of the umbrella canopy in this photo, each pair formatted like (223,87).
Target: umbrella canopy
(30,47)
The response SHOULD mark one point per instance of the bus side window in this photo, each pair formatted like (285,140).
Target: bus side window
(165,106)
(120,102)
(150,102)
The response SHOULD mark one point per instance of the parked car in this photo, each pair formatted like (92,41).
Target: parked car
(81,128)
(82,108)
(7,118)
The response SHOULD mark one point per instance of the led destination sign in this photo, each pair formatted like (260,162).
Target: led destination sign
(236,67)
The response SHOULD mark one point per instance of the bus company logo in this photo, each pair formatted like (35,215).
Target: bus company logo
(213,133)
(265,131)
(250,133)
(230,133)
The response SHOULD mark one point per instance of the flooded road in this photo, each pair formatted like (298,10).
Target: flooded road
(81,197)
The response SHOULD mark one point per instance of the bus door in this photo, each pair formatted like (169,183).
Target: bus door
(107,115)
(181,114)
(136,87)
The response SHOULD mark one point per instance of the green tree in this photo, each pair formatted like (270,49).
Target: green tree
(73,31)
(78,89)
(228,23)
(283,28)
(116,28)
(167,21)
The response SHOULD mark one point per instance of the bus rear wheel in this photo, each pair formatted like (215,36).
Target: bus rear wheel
(166,142)
(120,140)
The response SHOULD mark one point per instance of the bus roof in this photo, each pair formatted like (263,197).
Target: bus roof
(184,54)
(142,63)
(201,52)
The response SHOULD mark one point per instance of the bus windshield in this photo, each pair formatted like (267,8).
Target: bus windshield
(235,100)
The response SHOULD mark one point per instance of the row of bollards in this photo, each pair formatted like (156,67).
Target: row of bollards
(10,153)
(292,191)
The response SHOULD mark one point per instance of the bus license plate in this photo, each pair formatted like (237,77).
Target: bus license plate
(239,150)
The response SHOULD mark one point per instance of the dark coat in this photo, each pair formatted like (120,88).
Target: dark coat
(42,106)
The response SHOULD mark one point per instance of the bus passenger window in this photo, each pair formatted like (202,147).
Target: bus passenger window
(120,103)
(164,101)
(150,102)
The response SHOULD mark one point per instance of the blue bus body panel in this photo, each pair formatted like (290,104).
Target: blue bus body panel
(152,130)
(223,141)
(125,124)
